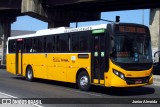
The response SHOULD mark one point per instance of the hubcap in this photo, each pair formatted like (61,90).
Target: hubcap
(29,74)
(83,81)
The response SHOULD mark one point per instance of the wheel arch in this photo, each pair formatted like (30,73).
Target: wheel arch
(79,71)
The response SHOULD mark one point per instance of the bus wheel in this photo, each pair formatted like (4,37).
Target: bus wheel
(83,81)
(29,74)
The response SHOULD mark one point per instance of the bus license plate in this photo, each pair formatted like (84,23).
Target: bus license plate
(138,81)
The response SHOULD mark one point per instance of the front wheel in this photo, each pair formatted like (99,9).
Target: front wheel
(83,81)
(29,74)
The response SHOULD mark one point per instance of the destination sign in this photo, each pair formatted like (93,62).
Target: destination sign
(133,29)
(78,29)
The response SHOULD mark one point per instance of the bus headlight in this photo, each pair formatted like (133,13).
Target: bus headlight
(119,74)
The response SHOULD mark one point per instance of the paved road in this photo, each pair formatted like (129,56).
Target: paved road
(15,86)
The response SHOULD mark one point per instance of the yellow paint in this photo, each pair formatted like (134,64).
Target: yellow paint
(95,81)
(60,67)
(102,82)
(19,63)
(64,67)
(113,80)
(11,63)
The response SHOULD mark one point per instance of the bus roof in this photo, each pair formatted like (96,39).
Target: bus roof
(60,30)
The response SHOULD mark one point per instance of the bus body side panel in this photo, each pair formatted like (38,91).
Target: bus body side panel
(38,63)
(113,80)
(57,67)
(11,63)
(78,61)
(64,67)
(24,64)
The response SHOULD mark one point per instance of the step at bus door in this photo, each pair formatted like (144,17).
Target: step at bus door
(19,52)
(98,56)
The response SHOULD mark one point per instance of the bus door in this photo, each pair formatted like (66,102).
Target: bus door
(19,50)
(98,58)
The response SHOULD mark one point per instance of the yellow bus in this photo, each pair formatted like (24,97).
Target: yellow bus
(110,55)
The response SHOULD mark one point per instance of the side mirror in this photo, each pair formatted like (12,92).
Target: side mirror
(117,19)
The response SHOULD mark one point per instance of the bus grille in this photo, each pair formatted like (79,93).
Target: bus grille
(141,80)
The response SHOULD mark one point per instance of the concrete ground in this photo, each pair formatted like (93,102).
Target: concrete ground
(2,66)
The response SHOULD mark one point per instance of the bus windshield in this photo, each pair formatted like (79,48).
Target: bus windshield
(132,48)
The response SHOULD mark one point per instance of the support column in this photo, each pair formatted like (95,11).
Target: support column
(34,8)
(1,34)
(155,30)
(5,30)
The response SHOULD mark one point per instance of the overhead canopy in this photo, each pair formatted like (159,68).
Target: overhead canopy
(102,5)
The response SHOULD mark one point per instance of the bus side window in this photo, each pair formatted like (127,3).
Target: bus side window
(12,46)
(39,44)
(84,41)
(80,42)
(75,43)
(64,42)
(34,47)
(57,44)
(49,44)
(53,43)
(27,45)
(44,44)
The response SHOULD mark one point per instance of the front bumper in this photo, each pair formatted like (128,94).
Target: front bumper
(130,82)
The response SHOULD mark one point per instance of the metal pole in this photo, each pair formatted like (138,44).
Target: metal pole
(143,16)
(5,23)
(159,35)
(2,57)
(6,26)
(1,39)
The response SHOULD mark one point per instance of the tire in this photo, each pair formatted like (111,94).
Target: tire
(29,74)
(83,81)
